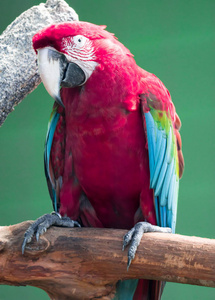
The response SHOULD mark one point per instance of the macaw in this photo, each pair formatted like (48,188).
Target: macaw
(113,153)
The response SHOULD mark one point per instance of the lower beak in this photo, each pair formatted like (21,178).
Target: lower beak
(56,72)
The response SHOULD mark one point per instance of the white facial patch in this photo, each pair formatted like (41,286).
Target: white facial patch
(79,49)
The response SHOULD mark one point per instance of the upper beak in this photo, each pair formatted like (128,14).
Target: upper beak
(55,71)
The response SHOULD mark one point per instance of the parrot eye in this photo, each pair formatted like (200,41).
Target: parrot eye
(79,40)
(78,47)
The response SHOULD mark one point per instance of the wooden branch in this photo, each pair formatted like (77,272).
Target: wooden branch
(86,263)
(18,69)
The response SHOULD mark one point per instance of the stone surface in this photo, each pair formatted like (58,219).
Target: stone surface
(18,70)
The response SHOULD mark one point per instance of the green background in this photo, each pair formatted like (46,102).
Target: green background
(174,40)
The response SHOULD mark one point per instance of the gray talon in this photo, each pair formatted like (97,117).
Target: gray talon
(127,238)
(134,236)
(41,225)
(37,236)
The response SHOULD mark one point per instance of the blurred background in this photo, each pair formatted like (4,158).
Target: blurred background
(174,40)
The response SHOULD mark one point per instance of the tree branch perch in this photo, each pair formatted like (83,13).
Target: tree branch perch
(86,263)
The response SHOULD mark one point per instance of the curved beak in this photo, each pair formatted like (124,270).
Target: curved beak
(56,72)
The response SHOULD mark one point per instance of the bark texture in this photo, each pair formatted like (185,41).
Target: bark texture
(86,263)
(18,69)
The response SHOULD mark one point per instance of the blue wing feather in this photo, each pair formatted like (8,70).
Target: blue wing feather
(49,138)
(163,170)
(151,140)
(48,144)
(163,214)
(171,191)
(159,162)
(166,184)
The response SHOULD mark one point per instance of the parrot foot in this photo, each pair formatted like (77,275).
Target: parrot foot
(41,225)
(134,236)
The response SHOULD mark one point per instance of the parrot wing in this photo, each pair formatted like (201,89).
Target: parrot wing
(164,148)
(54,165)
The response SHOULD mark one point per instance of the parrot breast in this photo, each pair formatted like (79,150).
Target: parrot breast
(110,159)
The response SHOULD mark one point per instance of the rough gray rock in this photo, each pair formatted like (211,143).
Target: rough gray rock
(18,70)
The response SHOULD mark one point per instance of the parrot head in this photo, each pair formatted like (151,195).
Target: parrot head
(68,53)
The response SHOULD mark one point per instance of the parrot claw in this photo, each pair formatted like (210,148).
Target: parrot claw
(134,236)
(41,225)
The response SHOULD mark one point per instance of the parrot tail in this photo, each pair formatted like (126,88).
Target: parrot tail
(148,290)
(141,289)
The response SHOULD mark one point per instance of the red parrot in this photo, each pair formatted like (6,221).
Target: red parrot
(113,154)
